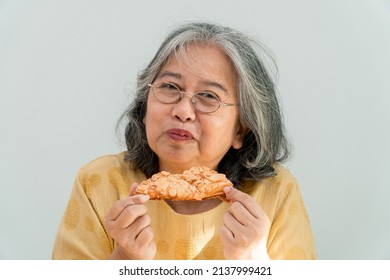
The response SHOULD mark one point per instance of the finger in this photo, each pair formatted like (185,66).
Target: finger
(232,223)
(118,208)
(129,215)
(145,236)
(122,204)
(226,234)
(140,223)
(135,229)
(246,200)
(241,214)
(133,188)
(139,198)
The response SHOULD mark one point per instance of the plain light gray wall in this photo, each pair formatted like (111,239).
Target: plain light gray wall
(65,71)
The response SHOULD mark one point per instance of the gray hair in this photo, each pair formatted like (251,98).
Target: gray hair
(264,145)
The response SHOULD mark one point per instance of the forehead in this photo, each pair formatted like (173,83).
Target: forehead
(201,63)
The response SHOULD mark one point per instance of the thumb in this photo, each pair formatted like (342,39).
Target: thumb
(233,194)
(133,188)
(229,192)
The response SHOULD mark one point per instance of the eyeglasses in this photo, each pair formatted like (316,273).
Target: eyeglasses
(205,102)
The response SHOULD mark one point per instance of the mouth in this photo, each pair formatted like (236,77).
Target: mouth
(180,134)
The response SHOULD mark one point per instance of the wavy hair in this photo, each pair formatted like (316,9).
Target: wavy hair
(264,145)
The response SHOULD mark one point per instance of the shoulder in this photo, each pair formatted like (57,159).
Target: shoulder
(275,189)
(286,183)
(109,172)
(282,177)
(283,173)
(105,162)
(103,171)
(278,193)
(283,182)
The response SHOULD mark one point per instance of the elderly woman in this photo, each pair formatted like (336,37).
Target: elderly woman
(205,99)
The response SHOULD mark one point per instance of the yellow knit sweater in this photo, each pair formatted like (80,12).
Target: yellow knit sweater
(83,235)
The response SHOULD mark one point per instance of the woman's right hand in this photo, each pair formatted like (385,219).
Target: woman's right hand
(129,225)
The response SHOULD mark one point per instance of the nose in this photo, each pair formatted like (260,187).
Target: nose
(184,109)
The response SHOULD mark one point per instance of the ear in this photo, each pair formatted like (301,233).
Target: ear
(238,140)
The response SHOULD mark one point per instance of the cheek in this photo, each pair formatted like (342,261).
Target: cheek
(225,123)
(147,118)
(228,129)
(150,112)
(150,128)
(221,130)
(154,118)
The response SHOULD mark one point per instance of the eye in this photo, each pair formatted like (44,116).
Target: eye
(169,86)
(210,96)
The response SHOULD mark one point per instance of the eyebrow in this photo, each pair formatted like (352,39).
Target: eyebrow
(204,82)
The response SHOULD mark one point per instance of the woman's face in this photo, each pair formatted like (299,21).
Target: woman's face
(181,136)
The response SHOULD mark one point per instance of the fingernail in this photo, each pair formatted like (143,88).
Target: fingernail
(144,198)
(227,189)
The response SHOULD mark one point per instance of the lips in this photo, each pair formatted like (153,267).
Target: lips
(180,134)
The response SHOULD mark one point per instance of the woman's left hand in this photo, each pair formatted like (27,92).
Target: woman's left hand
(245,228)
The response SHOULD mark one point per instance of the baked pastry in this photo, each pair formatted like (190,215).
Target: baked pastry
(197,183)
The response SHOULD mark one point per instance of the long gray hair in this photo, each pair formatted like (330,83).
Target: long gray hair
(264,145)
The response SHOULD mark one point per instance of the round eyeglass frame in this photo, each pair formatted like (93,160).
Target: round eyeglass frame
(193,96)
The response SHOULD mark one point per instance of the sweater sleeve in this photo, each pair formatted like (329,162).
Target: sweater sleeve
(81,233)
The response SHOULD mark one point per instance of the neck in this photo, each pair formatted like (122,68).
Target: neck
(193,207)
(176,168)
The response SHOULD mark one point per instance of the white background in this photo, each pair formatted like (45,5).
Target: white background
(65,72)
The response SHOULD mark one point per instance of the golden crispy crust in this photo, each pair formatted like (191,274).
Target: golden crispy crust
(197,183)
